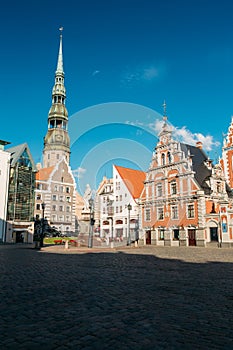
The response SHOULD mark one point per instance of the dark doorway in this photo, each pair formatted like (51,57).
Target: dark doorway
(19,237)
(192,237)
(148,237)
(214,234)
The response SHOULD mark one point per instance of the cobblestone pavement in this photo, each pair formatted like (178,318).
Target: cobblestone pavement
(132,298)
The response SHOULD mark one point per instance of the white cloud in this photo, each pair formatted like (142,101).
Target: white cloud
(79,172)
(150,73)
(186,136)
(190,138)
(95,72)
(141,73)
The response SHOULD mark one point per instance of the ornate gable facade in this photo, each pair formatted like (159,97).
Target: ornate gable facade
(183,195)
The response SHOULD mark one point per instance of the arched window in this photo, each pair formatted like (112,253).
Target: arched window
(163,159)
(169,157)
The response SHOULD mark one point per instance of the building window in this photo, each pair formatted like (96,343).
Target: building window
(163,159)
(190,211)
(54,208)
(121,197)
(38,207)
(116,198)
(60,208)
(68,209)
(61,198)
(67,219)
(61,218)
(55,188)
(57,156)
(147,215)
(169,157)
(54,197)
(68,199)
(159,190)
(116,209)
(173,187)
(160,214)
(104,210)
(61,188)
(174,212)
(54,217)
(161,234)
(219,187)
(121,209)
(38,197)
(67,190)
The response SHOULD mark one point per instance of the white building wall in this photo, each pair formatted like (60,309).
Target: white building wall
(122,198)
(4,181)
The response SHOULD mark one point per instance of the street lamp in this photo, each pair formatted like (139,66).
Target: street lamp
(92,222)
(42,225)
(129,238)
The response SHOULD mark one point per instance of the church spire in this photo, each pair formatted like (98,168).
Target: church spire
(60,55)
(57,141)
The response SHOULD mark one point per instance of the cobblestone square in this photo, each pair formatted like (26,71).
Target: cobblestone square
(125,298)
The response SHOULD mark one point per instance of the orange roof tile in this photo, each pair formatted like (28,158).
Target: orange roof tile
(44,173)
(133,179)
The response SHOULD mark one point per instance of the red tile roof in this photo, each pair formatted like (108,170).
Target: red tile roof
(133,179)
(44,173)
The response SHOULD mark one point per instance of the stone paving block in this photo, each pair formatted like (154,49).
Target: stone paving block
(133,298)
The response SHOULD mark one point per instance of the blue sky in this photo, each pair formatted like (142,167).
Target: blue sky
(127,53)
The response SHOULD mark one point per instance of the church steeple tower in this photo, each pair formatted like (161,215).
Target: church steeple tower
(57,141)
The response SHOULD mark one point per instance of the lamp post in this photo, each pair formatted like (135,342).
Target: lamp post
(129,238)
(111,218)
(92,222)
(110,213)
(42,226)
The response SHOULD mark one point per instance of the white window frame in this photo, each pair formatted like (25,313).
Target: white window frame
(174,210)
(188,211)
(160,213)
(147,214)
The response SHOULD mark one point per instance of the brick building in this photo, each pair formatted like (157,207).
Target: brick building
(186,200)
